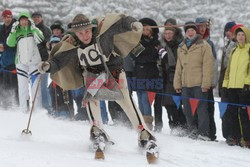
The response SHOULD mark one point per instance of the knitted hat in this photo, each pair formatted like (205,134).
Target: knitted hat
(229,26)
(150,22)
(6,12)
(238,30)
(170,22)
(190,24)
(57,25)
(36,14)
(81,22)
(201,20)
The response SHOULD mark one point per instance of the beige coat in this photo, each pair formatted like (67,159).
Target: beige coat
(194,66)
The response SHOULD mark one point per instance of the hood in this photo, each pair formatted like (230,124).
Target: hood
(178,38)
(24,14)
(247,33)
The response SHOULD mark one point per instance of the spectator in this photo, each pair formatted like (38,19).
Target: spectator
(170,41)
(204,32)
(38,20)
(229,44)
(223,93)
(25,36)
(146,68)
(237,81)
(8,77)
(57,28)
(62,101)
(193,78)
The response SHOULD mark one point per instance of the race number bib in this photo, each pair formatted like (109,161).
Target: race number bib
(91,56)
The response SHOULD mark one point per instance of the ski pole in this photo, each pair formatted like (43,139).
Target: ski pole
(27,131)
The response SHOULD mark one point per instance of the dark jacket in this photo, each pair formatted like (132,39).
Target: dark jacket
(46,31)
(146,64)
(8,55)
(42,46)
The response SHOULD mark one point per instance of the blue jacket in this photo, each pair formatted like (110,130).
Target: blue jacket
(8,55)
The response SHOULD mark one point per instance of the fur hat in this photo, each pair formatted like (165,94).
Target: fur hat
(190,24)
(6,12)
(81,22)
(150,22)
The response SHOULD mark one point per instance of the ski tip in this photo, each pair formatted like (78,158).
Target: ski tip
(152,158)
(99,154)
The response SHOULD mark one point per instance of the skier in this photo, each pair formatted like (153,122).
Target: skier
(102,45)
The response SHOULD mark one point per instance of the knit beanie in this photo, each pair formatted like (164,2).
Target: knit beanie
(6,12)
(190,24)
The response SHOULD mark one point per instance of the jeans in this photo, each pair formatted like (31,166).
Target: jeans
(201,111)
(104,112)
(46,99)
(144,104)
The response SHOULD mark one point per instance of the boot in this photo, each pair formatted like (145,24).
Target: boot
(149,121)
(148,142)
(96,132)
(144,137)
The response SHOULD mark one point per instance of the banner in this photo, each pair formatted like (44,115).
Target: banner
(193,104)
(222,108)
(33,78)
(177,100)
(248,111)
(151,97)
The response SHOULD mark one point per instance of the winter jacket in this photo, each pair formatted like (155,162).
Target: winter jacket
(146,63)
(26,40)
(8,55)
(224,61)
(206,37)
(194,65)
(45,30)
(238,70)
(42,46)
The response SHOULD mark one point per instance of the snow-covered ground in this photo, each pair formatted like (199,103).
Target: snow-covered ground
(62,143)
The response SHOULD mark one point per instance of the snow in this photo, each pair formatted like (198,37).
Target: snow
(64,143)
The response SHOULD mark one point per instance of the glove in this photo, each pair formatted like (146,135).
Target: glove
(43,67)
(136,26)
(246,89)
(32,24)
(162,52)
(14,27)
